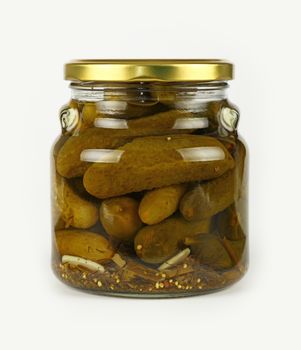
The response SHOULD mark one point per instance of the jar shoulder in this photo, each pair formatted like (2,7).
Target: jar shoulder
(134,118)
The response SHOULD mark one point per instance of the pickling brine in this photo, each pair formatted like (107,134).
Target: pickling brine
(149,180)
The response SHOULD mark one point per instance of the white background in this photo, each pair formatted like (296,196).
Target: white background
(263,39)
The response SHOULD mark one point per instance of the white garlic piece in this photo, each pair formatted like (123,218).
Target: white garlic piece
(175,260)
(229,118)
(77,261)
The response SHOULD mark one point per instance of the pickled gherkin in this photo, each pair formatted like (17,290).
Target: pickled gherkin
(74,211)
(149,185)
(157,161)
(158,204)
(210,251)
(89,114)
(68,160)
(208,198)
(83,244)
(120,218)
(156,243)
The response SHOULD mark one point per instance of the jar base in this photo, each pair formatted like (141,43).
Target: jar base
(173,289)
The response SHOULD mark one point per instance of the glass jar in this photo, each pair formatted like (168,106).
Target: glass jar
(149,179)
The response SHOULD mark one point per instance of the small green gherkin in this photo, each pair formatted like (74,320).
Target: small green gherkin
(160,203)
(84,244)
(210,251)
(156,243)
(208,198)
(72,208)
(119,217)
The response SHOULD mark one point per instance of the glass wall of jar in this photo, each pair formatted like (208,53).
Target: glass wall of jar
(149,180)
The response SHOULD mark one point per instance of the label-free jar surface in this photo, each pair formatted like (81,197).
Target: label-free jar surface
(149,179)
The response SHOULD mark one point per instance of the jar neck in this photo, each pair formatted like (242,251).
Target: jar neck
(146,91)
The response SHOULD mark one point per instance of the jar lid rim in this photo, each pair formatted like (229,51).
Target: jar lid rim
(140,70)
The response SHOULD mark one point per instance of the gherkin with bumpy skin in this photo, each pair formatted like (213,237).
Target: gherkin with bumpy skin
(68,159)
(108,133)
(119,217)
(208,198)
(74,210)
(158,204)
(157,161)
(156,243)
(84,244)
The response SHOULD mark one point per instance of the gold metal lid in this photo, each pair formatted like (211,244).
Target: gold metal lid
(149,70)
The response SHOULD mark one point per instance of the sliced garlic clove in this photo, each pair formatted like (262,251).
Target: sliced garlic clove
(175,260)
(118,260)
(229,118)
(77,261)
(69,118)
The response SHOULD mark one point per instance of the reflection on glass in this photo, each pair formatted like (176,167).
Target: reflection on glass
(110,123)
(191,123)
(202,154)
(191,105)
(111,107)
(101,155)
